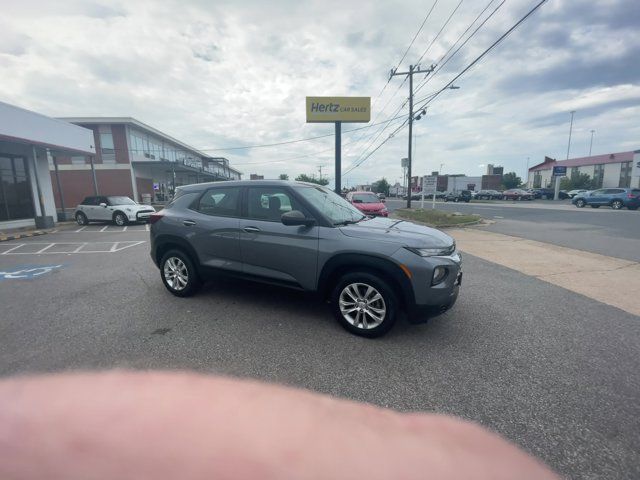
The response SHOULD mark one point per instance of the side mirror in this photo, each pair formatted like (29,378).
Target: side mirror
(103,205)
(296,218)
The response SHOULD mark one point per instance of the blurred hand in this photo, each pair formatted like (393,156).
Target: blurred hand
(158,425)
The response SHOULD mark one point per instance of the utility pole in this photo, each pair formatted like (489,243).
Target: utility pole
(556,192)
(320,170)
(591,143)
(412,71)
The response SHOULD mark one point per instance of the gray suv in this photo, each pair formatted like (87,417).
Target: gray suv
(306,237)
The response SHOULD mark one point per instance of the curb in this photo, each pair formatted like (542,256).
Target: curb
(18,236)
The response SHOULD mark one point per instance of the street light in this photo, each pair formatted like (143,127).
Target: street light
(570,130)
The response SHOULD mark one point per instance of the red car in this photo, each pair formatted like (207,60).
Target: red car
(516,194)
(368,203)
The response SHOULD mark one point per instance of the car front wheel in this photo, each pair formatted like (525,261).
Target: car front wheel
(616,204)
(179,274)
(120,219)
(364,304)
(580,203)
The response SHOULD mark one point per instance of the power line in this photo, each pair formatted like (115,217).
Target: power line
(482,55)
(439,32)
(442,65)
(467,68)
(424,21)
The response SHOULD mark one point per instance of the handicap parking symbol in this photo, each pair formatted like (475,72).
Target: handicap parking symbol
(27,272)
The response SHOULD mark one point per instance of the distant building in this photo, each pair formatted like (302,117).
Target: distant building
(135,160)
(363,188)
(615,170)
(494,170)
(254,176)
(397,190)
(455,183)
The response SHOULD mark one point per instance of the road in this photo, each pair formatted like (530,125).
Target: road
(609,232)
(555,372)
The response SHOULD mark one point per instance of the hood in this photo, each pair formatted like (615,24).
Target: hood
(140,208)
(405,233)
(369,207)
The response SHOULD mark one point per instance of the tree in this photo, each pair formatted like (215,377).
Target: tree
(577,182)
(511,180)
(306,178)
(381,186)
(283,176)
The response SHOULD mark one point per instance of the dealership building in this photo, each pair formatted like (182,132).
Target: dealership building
(28,141)
(49,165)
(612,170)
(132,159)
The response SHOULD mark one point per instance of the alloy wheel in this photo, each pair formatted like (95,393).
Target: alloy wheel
(362,306)
(176,273)
(616,205)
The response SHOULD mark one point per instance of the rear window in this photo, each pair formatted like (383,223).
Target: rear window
(222,202)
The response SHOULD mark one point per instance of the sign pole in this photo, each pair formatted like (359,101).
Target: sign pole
(338,157)
(433,202)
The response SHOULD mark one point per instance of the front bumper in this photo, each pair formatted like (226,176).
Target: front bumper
(141,216)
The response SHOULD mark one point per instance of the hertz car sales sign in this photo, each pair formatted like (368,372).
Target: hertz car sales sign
(338,109)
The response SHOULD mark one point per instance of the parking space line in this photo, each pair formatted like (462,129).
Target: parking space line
(104,228)
(124,229)
(80,229)
(80,248)
(146,227)
(114,247)
(45,248)
(14,248)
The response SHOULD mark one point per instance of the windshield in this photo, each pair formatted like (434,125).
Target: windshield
(365,198)
(333,206)
(120,201)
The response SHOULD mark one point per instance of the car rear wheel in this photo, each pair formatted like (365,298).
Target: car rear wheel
(616,204)
(81,219)
(580,203)
(179,274)
(364,304)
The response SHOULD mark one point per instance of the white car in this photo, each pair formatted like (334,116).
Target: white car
(117,209)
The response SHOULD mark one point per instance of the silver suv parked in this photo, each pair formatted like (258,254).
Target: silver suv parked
(306,237)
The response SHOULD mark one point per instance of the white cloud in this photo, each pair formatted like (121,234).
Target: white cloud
(222,73)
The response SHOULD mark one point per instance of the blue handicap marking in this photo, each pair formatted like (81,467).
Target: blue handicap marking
(22,272)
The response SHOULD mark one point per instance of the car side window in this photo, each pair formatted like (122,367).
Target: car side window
(222,202)
(269,203)
(613,191)
(89,201)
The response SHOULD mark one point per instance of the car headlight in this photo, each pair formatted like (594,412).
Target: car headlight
(433,252)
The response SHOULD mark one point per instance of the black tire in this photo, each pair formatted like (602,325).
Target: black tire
(120,219)
(580,203)
(617,204)
(387,294)
(81,219)
(193,281)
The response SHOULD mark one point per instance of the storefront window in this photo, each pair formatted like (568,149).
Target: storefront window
(15,193)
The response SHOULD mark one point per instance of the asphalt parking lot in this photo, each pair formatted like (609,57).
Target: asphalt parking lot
(554,371)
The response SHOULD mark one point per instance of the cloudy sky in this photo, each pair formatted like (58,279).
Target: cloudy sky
(219,74)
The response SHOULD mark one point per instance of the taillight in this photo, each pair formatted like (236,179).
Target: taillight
(156,216)
(630,195)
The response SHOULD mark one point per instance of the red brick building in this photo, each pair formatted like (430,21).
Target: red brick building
(132,159)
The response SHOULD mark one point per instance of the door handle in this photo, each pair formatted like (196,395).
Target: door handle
(188,223)
(251,229)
